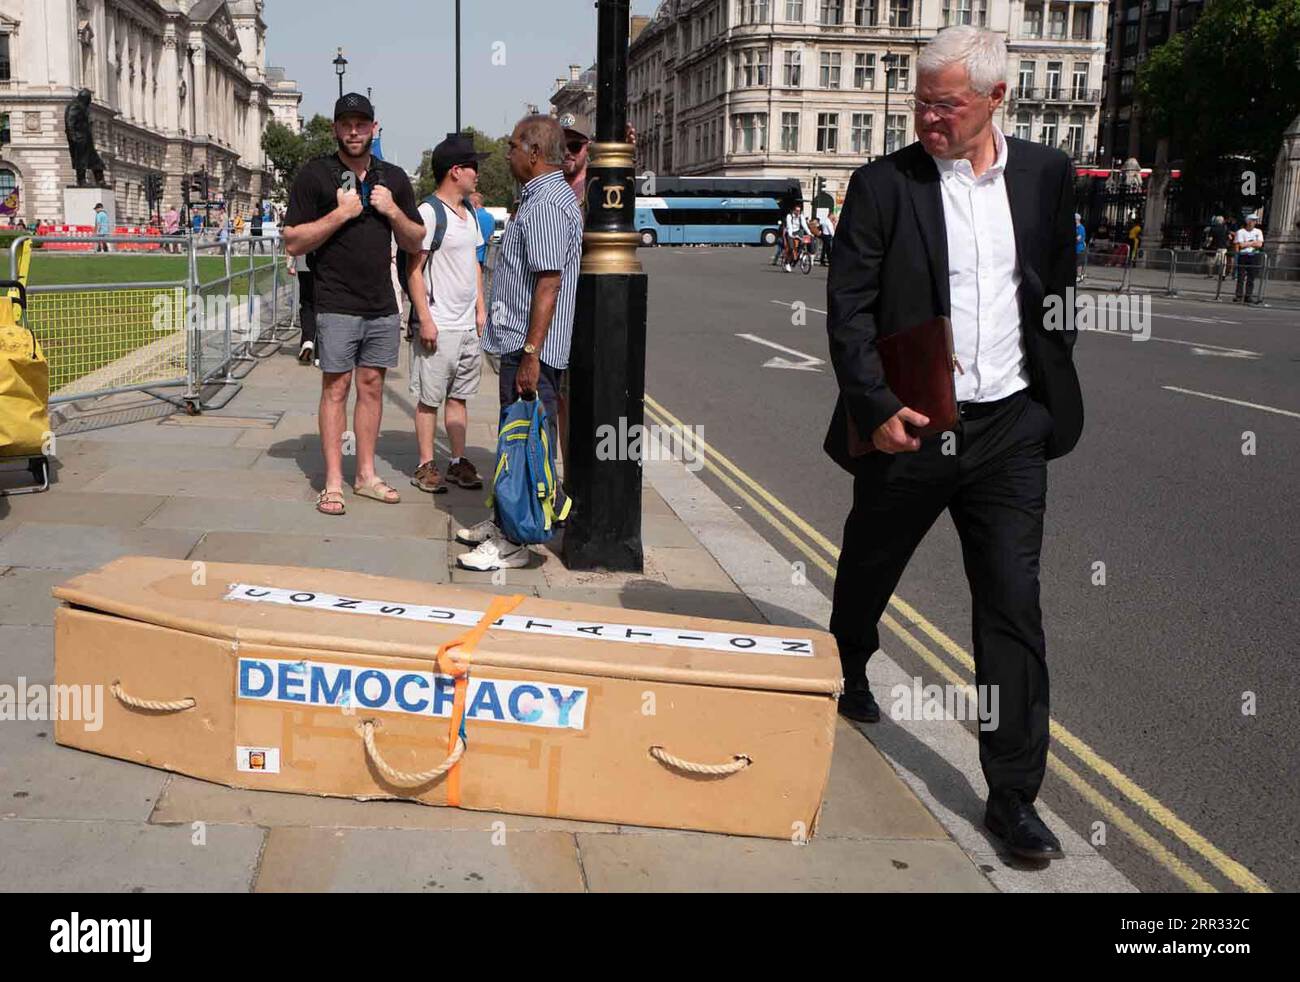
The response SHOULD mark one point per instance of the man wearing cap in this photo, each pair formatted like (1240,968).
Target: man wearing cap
(345,209)
(1250,248)
(445,282)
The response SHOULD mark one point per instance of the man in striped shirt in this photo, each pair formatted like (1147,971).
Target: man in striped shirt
(534,287)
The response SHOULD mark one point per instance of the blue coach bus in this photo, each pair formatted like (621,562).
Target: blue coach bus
(714,210)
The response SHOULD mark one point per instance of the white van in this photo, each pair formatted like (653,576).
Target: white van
(501,217)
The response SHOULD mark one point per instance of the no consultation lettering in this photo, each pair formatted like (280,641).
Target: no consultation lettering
(625,633)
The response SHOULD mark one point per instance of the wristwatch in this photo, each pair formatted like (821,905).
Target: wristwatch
(530,349)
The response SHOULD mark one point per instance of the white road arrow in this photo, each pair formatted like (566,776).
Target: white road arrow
(1248,355)
(807,363)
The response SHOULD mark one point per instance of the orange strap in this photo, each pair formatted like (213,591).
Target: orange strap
(459,670)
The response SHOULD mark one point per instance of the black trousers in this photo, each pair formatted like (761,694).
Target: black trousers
(995,489)
(1248,264)
(307,304)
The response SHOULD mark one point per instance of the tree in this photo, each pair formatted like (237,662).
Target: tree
(1228,88)
(495,182)
(288,151)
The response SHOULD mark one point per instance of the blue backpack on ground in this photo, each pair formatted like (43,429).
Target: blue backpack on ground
(525,491)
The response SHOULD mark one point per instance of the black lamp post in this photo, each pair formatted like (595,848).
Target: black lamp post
(340,69)
(889,69)
(607,358)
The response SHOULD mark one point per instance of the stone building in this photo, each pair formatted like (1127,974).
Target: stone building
(807,88)
(178,86)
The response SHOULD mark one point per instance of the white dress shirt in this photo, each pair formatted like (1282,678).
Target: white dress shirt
(983,279)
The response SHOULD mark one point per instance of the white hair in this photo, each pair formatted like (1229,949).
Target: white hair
(984,53)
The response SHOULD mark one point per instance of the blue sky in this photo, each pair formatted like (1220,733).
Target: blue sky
(404,51)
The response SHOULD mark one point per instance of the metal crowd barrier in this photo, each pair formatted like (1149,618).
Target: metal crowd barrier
(210,308)
(1195,273)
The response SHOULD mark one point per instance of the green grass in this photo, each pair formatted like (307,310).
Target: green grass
(48,269)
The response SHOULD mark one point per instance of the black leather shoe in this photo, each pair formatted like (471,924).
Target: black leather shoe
(1020,829)
(860,705)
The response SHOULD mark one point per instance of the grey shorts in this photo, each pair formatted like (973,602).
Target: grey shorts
(345,341)
(451,371)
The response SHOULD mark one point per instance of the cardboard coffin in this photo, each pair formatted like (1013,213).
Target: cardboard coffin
(272,678)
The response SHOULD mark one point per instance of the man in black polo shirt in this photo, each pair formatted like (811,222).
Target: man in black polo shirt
(346,209)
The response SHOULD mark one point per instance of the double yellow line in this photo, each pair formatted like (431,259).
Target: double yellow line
(823,553)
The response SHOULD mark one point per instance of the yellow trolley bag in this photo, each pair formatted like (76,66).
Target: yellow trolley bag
(24,382)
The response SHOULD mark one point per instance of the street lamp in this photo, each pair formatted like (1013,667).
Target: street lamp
(607,356)
(340,69)
(889,68)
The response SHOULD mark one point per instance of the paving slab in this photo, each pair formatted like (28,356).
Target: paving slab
(408,558)
(126,857)
(368,519)
(333,860)
(666,530)
(654,596)
(692,863)
(40,779)
(689,569)
(81,508)
(26,652)
(52,545)
(25,595)
(187,799)
(215,483)
(151,434)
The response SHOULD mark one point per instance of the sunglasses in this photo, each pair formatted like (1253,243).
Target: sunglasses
(575,146)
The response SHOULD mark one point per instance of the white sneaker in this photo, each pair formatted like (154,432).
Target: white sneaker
(495,553)
(478,534)
(789,268)
(307,352)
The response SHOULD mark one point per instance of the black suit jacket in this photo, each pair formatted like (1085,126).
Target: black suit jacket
(889,272)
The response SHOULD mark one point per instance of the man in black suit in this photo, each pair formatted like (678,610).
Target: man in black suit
(976,226)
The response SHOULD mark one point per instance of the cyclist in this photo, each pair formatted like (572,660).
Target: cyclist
(796,227)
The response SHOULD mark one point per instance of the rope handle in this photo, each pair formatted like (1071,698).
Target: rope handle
(738,764)
(407,778)
(155,705)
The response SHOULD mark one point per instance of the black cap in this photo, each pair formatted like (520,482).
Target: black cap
(354,102)
(458,148)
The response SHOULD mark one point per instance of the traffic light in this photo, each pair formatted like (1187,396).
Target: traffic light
(819,188)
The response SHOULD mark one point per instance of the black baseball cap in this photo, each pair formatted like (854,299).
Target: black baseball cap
(457,149)
(356,103)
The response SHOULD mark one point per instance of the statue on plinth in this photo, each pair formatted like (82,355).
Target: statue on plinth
(81,140)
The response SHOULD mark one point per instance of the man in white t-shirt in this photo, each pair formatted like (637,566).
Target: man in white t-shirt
(1250,253)
(446,287)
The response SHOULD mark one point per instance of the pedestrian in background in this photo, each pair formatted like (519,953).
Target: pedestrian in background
(299,268)
(1218,247)
(1250,246)
(1080,246)
(828,236)
(101,227)
(534,289)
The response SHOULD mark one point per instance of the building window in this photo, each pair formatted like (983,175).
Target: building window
(751,11)
(794,11)
(1024,126)
(832,13)
(956,12)
(902,72)
(860,134)
(794,69)
(1126,83)
(828,132)
(1054,80)
(1079,86)
(864,71)
(8,183)
(5,75)
(1083,22)
(1074,136)
(752,67)
(1049,129)
(900,13)
(1033,23)
(830,77)
(1056,21)
(1025,87)
(895,132)
(750,132)
(864,13)
(1131,35)
(790,132)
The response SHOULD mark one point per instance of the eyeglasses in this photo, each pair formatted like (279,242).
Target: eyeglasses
(575,146)
(944,110)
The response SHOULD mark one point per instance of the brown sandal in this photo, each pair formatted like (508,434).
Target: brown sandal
(378,491)
(326,499)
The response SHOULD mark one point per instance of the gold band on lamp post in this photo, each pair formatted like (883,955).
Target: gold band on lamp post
(621,155)
(610,252)
(610,240)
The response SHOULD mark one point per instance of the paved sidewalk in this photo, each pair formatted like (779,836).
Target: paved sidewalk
(237,485)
